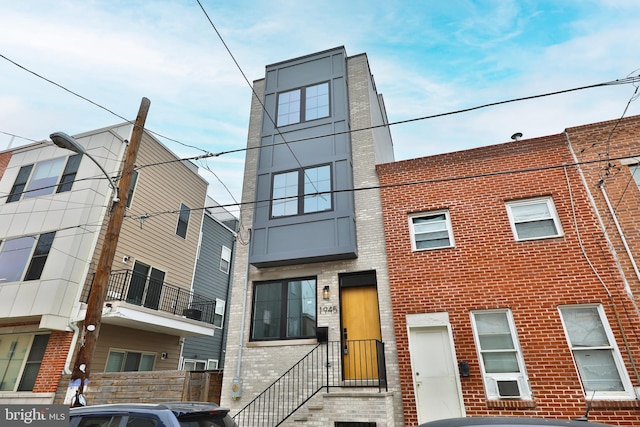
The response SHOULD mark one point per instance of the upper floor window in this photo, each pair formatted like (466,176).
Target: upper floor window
(301,191)
(225,259)
(534,219)
(595,353)
(132,188)
(304,104)
(284,310)
(431,230)
(500,356)
(218,315)
(20,359)
(183,221)
(15,254)
(45,177)
(129,361)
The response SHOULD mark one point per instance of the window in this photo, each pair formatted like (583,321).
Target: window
(15,253)
(225,259)
(20,359)
(212,364)
(284,310)
(301,191)
(305,104)
(44,178)
(534,219)
(218,314)
(129,361)
(194,365)
(595,353)
(183,221)
(132,188)
(500,356)
(431,231)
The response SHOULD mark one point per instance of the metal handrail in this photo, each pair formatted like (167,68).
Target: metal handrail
(356,363)
(141,290)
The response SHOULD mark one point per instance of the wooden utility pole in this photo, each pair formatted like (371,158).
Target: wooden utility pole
(91,324)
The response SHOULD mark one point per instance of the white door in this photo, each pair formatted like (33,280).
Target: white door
(435,374)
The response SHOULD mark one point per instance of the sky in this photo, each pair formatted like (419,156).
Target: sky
(428,57)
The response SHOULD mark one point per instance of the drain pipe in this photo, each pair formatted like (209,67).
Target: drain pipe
(236,383)
(620,233)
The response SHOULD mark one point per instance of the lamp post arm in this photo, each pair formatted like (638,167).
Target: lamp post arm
(116,194)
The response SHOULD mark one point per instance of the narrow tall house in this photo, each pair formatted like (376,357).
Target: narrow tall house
(310,315)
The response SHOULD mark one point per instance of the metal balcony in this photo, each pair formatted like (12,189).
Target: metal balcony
(143,291)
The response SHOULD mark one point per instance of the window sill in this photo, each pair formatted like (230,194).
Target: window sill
(614,404)
(511,404)
(282,343)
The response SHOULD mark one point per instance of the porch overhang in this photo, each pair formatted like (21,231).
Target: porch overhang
(120,313)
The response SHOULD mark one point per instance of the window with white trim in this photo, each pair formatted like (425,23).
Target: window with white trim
(431,230)
(304,104)
(212,364)
(46,177)
(194,365)
(225,259)
(301,191)
(20,360)
(534,218)
(500,355)
(595,352)
(218,314)
(16,253)
(129,361)
(635,172)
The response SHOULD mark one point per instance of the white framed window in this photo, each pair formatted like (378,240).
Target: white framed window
(218,315)
(500,355)
(595,352)
(16,253)
(431,230)
(46,177)
(129,361)
(635,172)
(534,218)
(304,104)
(212,364)
(20,360)
(225,259)
(194,365)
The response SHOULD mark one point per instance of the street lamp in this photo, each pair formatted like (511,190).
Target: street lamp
(65,141)
(95,302)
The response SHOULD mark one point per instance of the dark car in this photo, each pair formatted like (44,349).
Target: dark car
(509,421)
(170,414)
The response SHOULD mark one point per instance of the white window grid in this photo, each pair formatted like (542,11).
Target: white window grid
(552,215)
(444,225)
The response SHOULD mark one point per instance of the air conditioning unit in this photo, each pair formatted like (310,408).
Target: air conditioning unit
(192,313)
(507,387)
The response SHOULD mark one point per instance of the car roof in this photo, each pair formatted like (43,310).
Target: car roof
(509,421)
(178,408)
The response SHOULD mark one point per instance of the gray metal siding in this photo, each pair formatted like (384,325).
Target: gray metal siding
(318,236)
(213,283)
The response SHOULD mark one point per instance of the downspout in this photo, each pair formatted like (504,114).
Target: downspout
(626,284)
(70,353)
(624,240)
(237,381)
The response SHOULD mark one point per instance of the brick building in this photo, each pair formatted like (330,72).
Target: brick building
(506,299)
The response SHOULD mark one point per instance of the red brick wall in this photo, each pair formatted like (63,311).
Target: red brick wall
(53,362)
(609,142)
(488,269)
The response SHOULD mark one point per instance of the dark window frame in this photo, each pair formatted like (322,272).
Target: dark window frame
(302,113)
(183,221)
(284,314)
(63,183)
(301,194)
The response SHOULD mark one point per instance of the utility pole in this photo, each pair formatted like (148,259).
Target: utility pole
(91,324)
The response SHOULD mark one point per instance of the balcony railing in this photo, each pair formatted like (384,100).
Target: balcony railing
(138,289)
